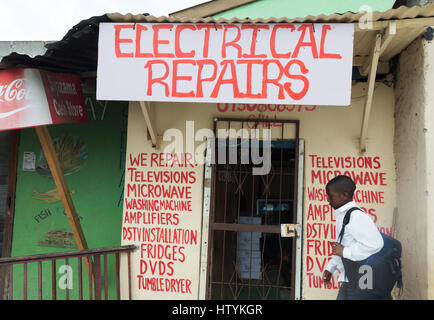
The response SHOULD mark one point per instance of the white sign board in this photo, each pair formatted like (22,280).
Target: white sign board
(304,64)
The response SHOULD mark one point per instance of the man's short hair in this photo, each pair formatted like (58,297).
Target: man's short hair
(342,184)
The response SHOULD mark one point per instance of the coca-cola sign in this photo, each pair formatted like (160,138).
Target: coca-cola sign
(32,97)
(15,90)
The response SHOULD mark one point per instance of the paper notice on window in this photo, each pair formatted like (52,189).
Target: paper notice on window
(29,160)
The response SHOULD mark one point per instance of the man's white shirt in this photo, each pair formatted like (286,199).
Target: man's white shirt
(360,240)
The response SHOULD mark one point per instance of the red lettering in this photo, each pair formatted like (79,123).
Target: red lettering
(139,54)
(118,41)
(232,43)
(387,231)
(322,265)
(377,163)
(287,85)
(176,78)
(134,161)
(313,156)
(232,80)
(371,212)
(383,179)
(273,41)
(207,28)
(152,80)
(249,93)
(200,80)
(322,54)
(157,42)
(255,28)
(309,264)
(301,43)
(275,81)
(311,108)
(318,247)
(171,270)
(178,52)
(221,107)
(316,175)
(154,159)
(310,243)
(143,267)
(143,159)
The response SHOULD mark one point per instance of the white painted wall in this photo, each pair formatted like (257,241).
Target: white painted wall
(429,134)
(414,154)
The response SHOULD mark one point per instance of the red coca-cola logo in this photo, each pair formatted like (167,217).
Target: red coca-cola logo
(14,91)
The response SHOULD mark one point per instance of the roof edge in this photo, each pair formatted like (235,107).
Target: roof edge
(401,13)
(209,8)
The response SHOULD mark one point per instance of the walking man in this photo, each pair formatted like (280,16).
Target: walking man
(360,239)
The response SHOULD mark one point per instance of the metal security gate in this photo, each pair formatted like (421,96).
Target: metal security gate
(249,256)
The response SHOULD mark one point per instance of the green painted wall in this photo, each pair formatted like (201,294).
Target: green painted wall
(93,158)
(293,9)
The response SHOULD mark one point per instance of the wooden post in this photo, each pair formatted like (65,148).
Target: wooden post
(372,73)
(146,109)
(382,40)
(62,188)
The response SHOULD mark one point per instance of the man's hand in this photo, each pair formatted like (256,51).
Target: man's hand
(337,249)
(326,277)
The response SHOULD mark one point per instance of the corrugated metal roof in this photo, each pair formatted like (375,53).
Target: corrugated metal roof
(349,17)
(77,51)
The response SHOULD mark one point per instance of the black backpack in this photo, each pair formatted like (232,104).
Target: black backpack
(385,264)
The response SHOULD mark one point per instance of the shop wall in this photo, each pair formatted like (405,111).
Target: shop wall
(428,129)
(92,156)
(161,259)
(331,137)
(414,158)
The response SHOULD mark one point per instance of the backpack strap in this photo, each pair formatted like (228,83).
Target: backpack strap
(346,221)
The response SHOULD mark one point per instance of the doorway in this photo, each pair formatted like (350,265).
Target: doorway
(248,259)
(8,164)
(8,173)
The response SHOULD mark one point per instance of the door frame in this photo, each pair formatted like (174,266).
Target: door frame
(10,208)
(208,214)
(299,237)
